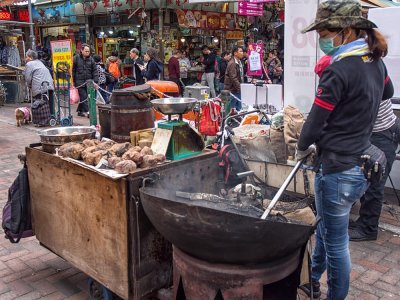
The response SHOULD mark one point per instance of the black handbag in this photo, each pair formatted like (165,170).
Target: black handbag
(374,164)
(109,78)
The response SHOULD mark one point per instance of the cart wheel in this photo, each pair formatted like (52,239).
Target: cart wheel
(53,122)
(65,122)
(99,292)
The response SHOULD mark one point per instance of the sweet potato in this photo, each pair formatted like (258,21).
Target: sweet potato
(120,149)
(146,151)
(159,157)
(148,161)
(113,160)
(133,156)
(125,166)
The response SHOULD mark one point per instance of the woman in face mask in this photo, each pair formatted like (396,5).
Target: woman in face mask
(340,124)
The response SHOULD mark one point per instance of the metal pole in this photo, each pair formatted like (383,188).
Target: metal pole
(31,33)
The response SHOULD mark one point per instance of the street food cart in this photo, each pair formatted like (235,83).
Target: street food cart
(164,225)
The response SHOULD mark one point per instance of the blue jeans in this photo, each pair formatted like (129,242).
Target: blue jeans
(334,197)
(236,103)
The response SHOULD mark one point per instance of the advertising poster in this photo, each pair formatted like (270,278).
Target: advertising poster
(61,54)
(255,59)
(301,54)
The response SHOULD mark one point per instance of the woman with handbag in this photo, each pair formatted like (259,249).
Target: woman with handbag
(340,124)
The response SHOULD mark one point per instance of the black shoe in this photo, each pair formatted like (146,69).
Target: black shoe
(353,224)
(359,236)
(306,288)
(81,114)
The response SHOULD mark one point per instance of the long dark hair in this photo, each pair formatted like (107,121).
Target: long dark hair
(376,43)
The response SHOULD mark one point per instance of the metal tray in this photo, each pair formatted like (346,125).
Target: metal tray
(172,106)
(55,137)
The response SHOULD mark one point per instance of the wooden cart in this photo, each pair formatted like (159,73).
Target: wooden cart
(98,225)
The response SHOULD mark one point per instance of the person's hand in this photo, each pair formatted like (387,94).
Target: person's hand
(302,154)
(96,86)
(269,81)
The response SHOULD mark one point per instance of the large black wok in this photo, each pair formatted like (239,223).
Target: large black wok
(220,232)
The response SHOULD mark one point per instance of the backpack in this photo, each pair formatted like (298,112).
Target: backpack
(17,222)
(230,164)
(113,69)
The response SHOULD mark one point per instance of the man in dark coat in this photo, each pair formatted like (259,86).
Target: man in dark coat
(137,63)
(234,76)
(84,68)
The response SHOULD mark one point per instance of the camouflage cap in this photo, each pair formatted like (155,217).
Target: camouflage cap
(339,14)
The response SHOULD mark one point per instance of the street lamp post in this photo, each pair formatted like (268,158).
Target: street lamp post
(31,33)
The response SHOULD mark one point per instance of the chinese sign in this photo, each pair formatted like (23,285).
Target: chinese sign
(61,52)
(210,20)
(255,59)
(5,16)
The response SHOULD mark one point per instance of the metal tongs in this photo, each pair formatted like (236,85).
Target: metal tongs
(278,195)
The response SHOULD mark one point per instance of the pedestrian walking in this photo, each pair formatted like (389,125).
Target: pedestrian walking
(39,80)
(234,76)
(154,66)
(83,69)
(113,67)
(137,65)
(174,72)
(208,76)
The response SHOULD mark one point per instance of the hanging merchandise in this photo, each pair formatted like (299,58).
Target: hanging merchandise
(209,118)
(3,94)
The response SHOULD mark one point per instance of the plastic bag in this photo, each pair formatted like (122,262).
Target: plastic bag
(99,98)
(73,95)
(209,118)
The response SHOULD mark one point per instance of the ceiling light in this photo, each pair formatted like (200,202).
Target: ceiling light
(131,31)
(183,40)
(110,32)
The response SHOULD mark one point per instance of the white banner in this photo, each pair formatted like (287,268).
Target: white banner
(300,54)
(388,22)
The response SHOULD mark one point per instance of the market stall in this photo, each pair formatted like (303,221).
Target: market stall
(114,209)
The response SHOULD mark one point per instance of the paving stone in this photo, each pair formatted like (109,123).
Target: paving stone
(20,287)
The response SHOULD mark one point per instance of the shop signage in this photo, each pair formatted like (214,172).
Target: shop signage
(247,5)
(262,1)
(255,59)
(23,15)
(250,9)
(250,12)
(234,35)
(5,16)
(61,51)
(207,20)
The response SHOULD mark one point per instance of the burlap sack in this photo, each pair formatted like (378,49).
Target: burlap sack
(293,123)
(278,145)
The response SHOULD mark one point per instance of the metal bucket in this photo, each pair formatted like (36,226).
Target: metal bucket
(130,110)
(105,120)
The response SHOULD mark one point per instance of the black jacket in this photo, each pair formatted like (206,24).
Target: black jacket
(209,63)
(84,69)
(345,110)
(153,70)
(222,69)
(138,72)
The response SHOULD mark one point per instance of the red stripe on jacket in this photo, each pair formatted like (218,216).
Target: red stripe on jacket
(387,79)
(324,104)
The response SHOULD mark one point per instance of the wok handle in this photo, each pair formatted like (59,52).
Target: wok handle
(282,189)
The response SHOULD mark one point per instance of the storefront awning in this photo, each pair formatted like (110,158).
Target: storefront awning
(48,3)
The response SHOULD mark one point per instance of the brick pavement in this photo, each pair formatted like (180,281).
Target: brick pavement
(29,271)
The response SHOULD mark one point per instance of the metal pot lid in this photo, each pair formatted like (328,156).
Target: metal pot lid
(137,89)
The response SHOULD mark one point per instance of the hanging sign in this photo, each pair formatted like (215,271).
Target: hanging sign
(61,52)
(251,6)
(250,12)
(255,59)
